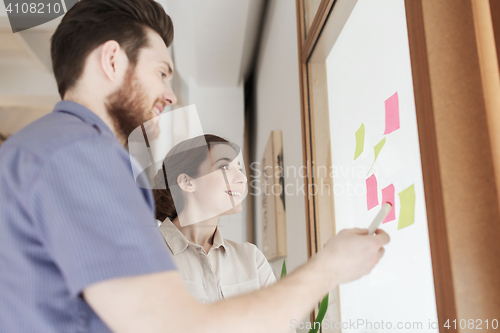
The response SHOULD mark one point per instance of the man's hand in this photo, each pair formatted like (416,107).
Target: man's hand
(351,254)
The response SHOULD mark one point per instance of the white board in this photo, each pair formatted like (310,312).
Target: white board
(368,64)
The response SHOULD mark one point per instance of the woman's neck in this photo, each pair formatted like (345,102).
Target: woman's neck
(201,233)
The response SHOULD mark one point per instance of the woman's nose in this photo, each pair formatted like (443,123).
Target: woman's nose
(241,177)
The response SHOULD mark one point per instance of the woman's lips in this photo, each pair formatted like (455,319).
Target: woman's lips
(234,193)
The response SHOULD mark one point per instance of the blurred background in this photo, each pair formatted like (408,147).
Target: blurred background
(237,61)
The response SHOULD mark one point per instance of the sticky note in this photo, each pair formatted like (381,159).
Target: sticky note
(378,147)
(407,213)
(360,141)
(388,196)
(391,114)
(371,192)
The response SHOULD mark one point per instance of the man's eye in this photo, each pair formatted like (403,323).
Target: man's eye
(163,74)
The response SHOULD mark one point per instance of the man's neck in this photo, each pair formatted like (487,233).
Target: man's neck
(98,108)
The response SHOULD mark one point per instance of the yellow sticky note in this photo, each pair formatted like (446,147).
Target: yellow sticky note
(378,147)
(360,141)
(407,211)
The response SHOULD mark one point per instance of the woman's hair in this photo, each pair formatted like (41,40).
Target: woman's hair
(184,158)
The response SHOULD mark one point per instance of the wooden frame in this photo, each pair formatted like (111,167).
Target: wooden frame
(305,47)
(453,125)
(430,166)
(457,98)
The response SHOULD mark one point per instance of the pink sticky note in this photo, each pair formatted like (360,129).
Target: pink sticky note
(371,192)
(391,114)
(388,196)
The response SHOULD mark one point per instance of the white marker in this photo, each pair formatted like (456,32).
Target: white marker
(384,211)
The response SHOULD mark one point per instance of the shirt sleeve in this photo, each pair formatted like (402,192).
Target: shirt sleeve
(264,270)
(94,221)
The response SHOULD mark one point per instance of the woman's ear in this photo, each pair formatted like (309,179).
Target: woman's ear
(185,183)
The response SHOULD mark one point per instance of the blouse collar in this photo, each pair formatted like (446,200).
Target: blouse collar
(177,242)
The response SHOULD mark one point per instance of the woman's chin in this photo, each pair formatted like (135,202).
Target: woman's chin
(234,210)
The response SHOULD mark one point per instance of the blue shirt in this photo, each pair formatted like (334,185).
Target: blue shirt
(71,215)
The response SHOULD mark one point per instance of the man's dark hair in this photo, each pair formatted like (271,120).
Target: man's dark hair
(91,23)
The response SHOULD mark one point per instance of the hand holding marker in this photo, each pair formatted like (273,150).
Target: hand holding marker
(384,211)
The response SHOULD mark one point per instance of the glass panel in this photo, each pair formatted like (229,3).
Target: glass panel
(366,152)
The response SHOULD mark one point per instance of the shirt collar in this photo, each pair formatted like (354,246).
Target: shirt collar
(83,113)
(177,242)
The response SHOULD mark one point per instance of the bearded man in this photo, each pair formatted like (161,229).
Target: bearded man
(79,246)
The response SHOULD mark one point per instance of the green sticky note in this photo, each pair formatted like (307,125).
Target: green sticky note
(360,141)
(407,211)
(378,147)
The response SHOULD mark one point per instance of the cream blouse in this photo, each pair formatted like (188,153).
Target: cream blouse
(229,268)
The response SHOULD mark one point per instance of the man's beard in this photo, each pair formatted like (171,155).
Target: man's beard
(128,107)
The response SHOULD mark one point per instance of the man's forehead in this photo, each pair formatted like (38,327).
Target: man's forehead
(157,50)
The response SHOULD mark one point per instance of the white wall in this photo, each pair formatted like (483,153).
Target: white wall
(278,108)
(212,53)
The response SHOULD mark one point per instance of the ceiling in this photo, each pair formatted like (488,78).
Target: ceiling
(214,40)
(213,46)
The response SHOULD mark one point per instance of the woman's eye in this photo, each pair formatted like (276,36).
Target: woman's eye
(163,74)
(225,167)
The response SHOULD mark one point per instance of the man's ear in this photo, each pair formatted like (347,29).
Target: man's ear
(111,60)
(185,183)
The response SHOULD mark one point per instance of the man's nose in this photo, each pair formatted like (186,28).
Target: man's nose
(169,95)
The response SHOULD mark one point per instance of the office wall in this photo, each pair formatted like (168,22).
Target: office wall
(278,108)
